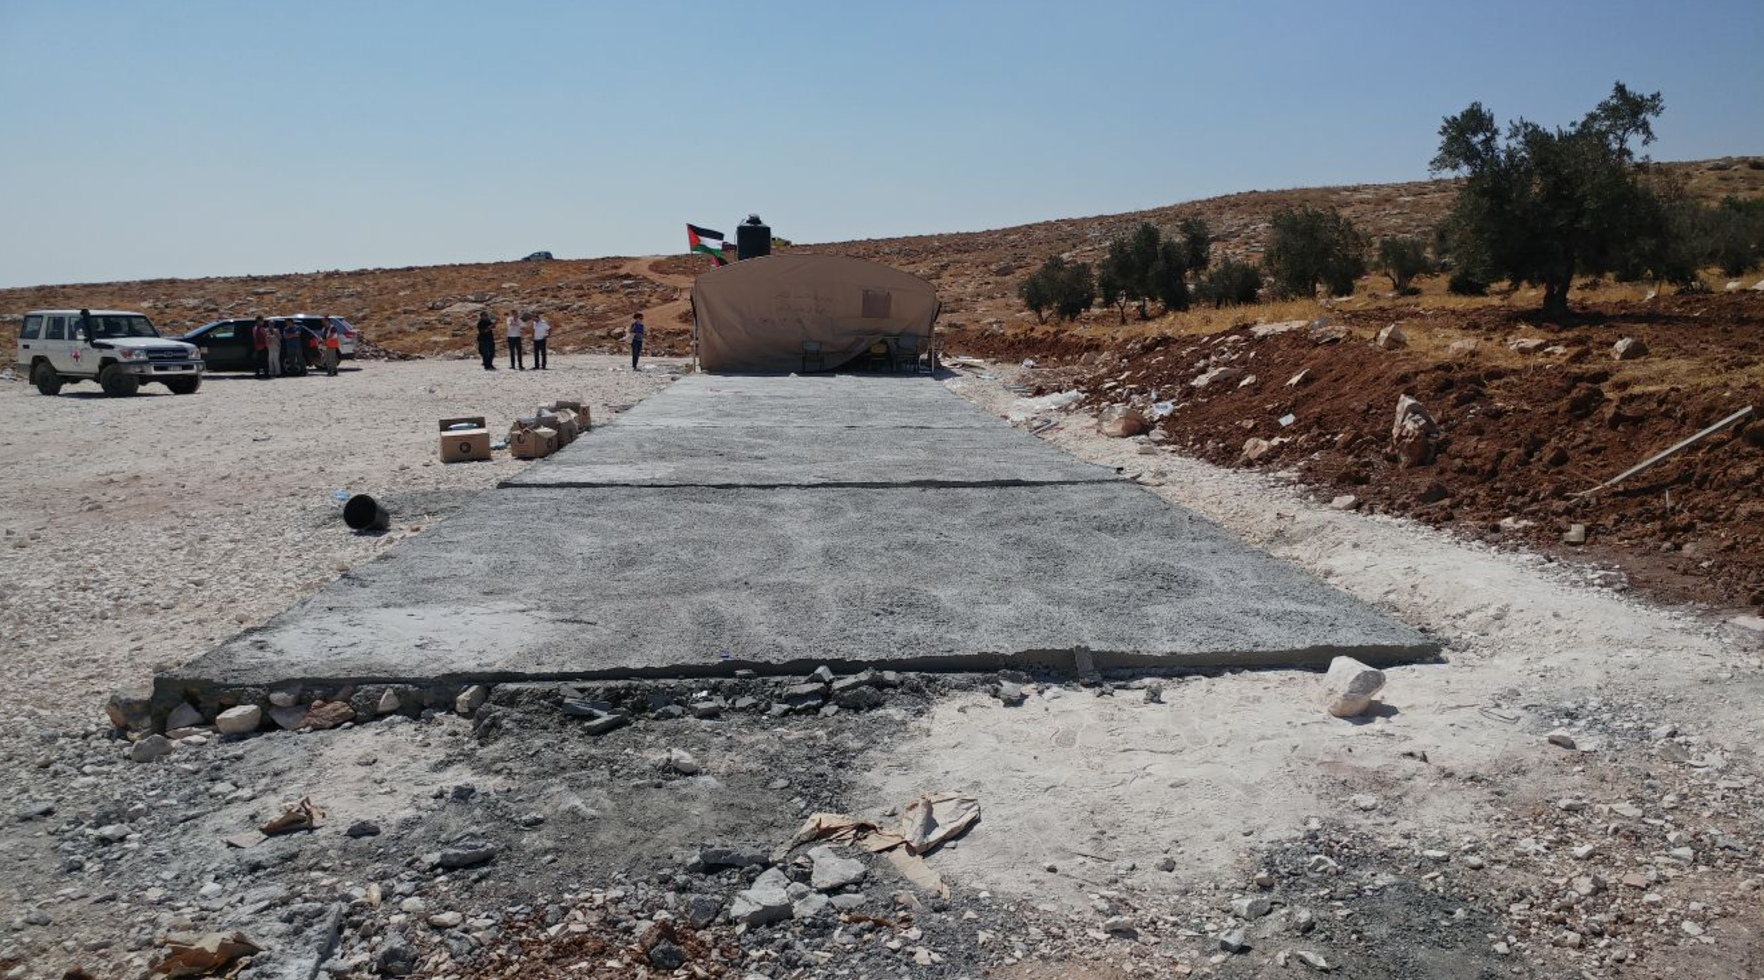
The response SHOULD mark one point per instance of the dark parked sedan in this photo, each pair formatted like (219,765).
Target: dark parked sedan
(226,344)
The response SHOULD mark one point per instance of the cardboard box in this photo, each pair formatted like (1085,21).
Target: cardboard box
(566,427)
(461,445)
(534,443)
(583,421)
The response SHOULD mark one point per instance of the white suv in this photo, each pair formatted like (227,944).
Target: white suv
(119,350)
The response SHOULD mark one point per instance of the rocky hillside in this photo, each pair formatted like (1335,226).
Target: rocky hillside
(430,310)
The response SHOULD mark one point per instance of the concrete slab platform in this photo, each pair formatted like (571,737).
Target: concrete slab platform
(817,401)
(554,583)
(629,453)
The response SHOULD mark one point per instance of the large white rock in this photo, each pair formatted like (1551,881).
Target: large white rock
(183,716)
(767,901)
(1350,686)
(239,721)
(832,871)
(1392,337)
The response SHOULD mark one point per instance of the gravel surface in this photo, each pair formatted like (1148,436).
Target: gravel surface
(1572,792)
(139,532)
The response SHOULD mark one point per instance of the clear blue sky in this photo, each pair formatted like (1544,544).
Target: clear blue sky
(206,138)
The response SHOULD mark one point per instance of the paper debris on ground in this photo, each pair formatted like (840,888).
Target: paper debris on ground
(926,823)
(300,816)
(934,818)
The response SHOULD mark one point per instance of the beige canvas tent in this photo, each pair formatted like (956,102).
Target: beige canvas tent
(755,315)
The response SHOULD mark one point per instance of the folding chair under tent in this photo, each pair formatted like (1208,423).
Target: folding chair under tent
(756,314)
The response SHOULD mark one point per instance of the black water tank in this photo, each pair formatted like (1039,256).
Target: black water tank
(752,239)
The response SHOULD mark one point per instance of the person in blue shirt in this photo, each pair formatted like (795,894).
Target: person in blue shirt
(636,339)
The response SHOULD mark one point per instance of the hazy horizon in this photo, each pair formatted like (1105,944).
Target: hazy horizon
(210,139)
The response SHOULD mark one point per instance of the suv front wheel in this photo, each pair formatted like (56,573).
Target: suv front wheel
(118,383)
(184,386)
(45,378)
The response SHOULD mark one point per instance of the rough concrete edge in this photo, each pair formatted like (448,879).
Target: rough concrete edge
(181,685)
(517,483)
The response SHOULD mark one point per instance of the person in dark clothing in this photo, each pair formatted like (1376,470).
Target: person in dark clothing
(636,339)
(487,339)
(293,349)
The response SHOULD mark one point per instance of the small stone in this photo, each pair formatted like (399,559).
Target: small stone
(362,828)
(1691,928)
(183,716)
(150,749)
(446,920)
(471,699)
(682,762)
(1346,501)
(1635,880)
(1560,737)
(767,901)
(1473,861)
(809,906)
(1010,692)
(1576,534)
(731,857)
(1313,960)
(324,715)
(1303,921)
(1628,349)
(466,856)
(1683,855)
(1364,801)
(1120,925)
(831,871)
(702,910)
(389,703)
(665,955)
(33,810)
(285,696)
(1253,907)
(1232,941)
(288,717)
(1584,851)
(1437,856)
(1166,863)
(241,720)
(413,906)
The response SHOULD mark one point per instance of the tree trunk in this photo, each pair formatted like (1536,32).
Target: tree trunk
(1555,301)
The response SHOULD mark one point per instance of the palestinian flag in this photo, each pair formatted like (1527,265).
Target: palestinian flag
(706,241)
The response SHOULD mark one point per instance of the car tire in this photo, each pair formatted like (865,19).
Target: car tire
(184,386)
(118,383)
(48,382)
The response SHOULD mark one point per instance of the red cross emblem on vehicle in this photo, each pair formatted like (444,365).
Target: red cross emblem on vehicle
(76,355)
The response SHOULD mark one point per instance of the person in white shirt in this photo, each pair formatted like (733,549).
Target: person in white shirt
(541,330)
(516,359)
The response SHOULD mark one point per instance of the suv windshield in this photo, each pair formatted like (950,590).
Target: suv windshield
(101,327)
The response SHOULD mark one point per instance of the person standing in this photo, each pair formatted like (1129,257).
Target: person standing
(260,347)
(271,338)
(487,339)
(515,358)
(293,351)
(333,347)
(636,339)
(541,330)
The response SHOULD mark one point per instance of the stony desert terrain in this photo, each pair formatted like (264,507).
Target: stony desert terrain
(1571,789)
